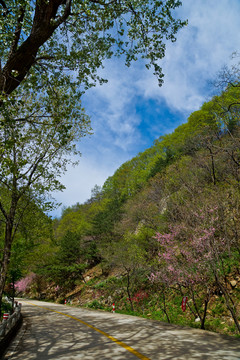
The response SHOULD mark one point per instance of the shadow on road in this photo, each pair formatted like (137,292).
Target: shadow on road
(49,335)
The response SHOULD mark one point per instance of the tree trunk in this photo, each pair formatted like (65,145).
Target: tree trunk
(231,308)
(128,291)
(6,258)
(45,21)
(165,307)
(13,292)
(204,314)
(195,304)
(213,166)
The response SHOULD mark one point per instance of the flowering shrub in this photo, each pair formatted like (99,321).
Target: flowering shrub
(191,255)
(23,284)
(139,297)
(194,253)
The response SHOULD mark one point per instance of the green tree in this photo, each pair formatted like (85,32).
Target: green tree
(36,140)
(32,247)
(61,38)
(130,254)
(68,264)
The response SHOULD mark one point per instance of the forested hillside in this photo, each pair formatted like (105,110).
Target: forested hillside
(164,226)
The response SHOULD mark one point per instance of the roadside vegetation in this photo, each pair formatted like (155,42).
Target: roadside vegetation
(165,226)
(50,53)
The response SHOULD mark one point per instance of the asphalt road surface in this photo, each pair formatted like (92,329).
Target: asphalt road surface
(52,331)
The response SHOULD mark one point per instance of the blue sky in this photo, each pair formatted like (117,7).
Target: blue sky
(131,111)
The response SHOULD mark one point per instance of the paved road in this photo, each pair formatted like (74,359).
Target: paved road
(61,332)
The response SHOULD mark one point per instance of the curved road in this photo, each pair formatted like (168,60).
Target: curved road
(53,331)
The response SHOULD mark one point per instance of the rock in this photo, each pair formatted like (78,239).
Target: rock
(233,283)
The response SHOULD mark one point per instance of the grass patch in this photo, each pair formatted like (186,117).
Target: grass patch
(95,305)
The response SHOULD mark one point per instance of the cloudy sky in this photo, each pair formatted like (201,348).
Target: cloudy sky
(131,111)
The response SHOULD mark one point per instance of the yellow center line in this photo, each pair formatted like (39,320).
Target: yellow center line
(120,343)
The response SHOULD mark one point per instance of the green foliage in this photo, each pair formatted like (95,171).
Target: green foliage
(95,305)
(218,310)
(6,307)
(69,41)
(37,136)
(109,283)
(105,219)
(193,169)
(68,263)
(37,140)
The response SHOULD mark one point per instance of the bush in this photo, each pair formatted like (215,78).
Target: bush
(95,305)
(6,307)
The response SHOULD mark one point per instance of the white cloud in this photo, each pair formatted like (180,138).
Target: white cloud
(112,106)
(201,49)
(81,179)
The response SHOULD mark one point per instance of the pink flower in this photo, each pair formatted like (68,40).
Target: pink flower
(24,283)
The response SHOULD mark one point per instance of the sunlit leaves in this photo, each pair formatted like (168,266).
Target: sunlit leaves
(76,40)
(37,137)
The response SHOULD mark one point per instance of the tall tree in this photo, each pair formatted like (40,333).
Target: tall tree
(68,264)
(130,255)
(37,137)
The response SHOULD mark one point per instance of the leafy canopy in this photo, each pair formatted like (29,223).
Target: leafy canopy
(37,137)
(69,39)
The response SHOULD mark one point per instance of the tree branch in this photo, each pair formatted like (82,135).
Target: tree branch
(45,22)
(5,9)
(3,4)
(3,210)
(17,32)
(65,15)
(233,104)
(16,225)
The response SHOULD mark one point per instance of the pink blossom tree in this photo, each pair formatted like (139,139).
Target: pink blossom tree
(179,267)
(193,255)
(23,284)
